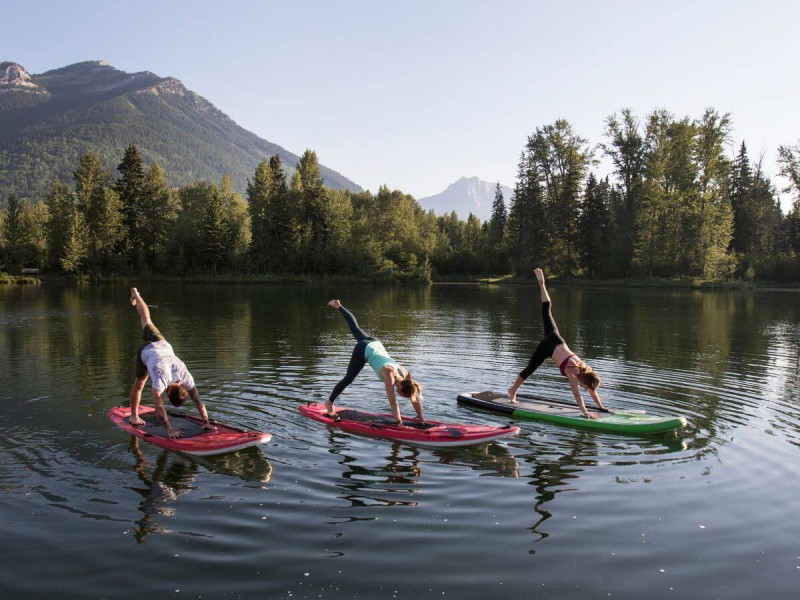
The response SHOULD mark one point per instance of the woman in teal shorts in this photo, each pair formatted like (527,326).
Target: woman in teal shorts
(395,377)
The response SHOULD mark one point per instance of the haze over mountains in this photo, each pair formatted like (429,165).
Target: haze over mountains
(465,196)
(48,121)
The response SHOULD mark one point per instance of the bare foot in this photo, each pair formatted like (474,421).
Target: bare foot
(335,304)
(134,293)
(329,412)
(136,422)
(539,275)
(512,395)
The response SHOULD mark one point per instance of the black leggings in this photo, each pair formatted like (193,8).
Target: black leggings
(552,339)
(357,360)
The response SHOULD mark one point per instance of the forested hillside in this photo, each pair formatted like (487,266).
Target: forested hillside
(678,204)
(49,121)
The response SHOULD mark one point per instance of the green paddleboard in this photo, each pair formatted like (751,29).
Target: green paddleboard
(562,413)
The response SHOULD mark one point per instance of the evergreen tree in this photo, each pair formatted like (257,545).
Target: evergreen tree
(156,215)
(61,208)
(499,219)
(14,235)
(102,213)
(594,226)
(215,230)
(497,251)
(130,188)
(741,198)
(316,215)
(527,226)
(259,196)
(284,228)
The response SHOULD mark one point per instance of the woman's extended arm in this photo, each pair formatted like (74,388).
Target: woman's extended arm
(573,384)
(596,397)
(388,382)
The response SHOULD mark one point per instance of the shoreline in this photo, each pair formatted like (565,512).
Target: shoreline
(665,283)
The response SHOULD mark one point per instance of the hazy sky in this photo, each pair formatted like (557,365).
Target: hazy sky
(416,94)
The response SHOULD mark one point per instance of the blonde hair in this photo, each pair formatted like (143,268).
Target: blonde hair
(589,377)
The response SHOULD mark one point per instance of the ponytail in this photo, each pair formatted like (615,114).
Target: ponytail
(410,388)
(588,377)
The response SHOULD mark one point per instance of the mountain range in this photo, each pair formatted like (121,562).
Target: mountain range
(48,121)
(465,196)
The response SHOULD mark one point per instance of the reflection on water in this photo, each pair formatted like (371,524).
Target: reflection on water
(171,477)
(698,512)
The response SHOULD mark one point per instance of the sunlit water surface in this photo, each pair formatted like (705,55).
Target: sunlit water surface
(710,512)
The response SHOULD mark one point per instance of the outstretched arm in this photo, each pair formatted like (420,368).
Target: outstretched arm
(201,408)
(596,397)
(141,307)
(573,383)
(387,381)
(416,402)
(161,413)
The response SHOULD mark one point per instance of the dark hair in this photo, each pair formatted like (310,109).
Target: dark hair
(410,388)
(589,377)
(177,394)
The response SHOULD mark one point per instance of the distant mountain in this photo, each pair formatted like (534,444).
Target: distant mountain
(467,195)
(48,121)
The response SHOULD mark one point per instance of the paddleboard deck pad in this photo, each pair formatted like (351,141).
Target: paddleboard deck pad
(431,434)
(195,441)
(562,413)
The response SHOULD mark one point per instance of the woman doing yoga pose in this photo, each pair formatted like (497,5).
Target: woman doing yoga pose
(370,350)
(578,374)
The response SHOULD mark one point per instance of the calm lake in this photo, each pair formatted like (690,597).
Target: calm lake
(710,512)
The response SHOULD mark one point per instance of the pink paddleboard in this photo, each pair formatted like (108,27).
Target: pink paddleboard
(195,440)
(433,434)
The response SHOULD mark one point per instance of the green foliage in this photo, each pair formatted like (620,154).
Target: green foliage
(169,124)
(678,207)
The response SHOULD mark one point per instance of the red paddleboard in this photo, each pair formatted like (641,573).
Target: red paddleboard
(431,434)
(196,440)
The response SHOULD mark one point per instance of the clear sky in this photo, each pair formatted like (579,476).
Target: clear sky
(416,94)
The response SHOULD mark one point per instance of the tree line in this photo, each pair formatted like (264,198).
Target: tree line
(676,205)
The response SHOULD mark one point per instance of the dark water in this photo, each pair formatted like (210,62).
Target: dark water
(711,512)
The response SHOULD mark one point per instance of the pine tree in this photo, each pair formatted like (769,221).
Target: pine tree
(102,213)
(157,212)
(61,206)
(527,226)
(741,198)
(13,233)
(497,247)
(594,226)
(130,188)
(259,196)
